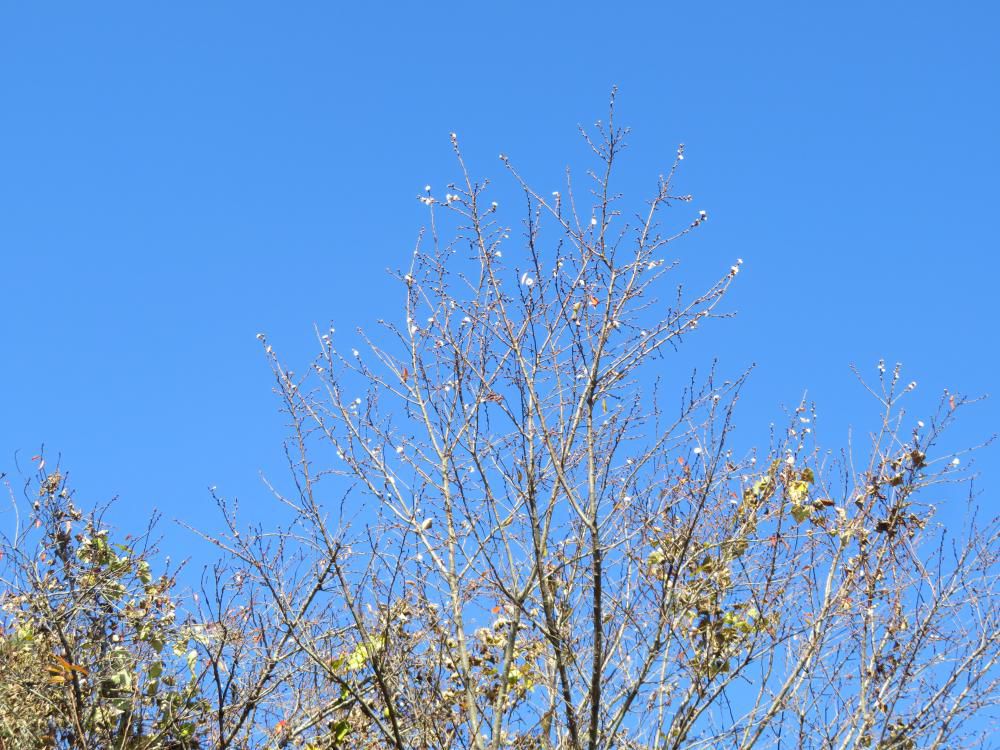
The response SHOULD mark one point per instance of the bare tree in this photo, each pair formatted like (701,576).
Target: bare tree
(546,543)
(513,525)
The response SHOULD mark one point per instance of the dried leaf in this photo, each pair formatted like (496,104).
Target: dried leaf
(71,667)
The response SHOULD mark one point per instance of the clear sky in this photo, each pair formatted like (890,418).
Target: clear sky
(175,177)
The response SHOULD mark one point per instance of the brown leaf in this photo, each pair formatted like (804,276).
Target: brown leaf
(70,667)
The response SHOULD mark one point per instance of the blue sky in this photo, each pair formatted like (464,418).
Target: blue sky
(176,177)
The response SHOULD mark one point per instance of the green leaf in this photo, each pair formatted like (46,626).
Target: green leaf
(763,487)
(363,652)
(122,680)
(340,730)
(801,513)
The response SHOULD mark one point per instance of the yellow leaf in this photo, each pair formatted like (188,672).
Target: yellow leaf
(798,491)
